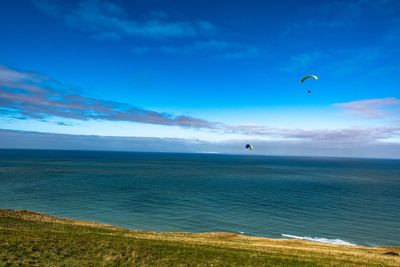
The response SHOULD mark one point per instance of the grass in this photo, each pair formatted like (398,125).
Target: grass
(32,239)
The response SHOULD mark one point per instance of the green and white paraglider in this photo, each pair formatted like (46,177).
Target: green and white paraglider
(308,77)
(249,147)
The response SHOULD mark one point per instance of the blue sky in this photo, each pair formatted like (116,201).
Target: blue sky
(214,71)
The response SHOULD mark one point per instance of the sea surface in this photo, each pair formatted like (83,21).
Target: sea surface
(355,201)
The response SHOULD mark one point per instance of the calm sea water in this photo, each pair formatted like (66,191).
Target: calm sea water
(326,199)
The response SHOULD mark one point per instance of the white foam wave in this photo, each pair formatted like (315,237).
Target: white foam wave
(320,239)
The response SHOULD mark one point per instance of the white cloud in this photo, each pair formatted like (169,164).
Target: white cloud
(371,108)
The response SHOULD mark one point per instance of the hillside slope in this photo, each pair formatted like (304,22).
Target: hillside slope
(35,239)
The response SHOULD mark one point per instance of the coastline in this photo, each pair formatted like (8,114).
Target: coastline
(280,249)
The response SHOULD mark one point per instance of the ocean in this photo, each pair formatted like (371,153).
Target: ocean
(336,200)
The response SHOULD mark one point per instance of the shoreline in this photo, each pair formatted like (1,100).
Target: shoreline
(31,236)
(29,214)
(39,216)
(36,215)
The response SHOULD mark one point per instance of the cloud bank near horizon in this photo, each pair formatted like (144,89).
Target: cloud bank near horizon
(10,139)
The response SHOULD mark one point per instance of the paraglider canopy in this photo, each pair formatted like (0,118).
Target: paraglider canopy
(308,77)
(249,147)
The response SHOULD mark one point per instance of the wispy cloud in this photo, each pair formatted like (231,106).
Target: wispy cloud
(340,14)
(29,95)
(305,60)
(338,61)
(139,50)
(216,48)
(371,108)
(247,52)
(108,20)
(216,45)
(392,34)
(353,60)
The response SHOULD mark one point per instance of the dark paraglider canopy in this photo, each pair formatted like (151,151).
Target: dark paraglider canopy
(249,147)
(308,77)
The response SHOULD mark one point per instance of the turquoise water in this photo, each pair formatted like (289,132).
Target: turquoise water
(324,199)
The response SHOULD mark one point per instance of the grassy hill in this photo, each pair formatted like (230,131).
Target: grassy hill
(34,239)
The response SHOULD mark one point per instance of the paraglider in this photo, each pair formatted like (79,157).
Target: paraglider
(249,147)
(308,77)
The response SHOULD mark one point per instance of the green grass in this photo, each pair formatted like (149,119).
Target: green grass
(31,239)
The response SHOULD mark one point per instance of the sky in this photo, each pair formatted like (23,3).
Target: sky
(209,75)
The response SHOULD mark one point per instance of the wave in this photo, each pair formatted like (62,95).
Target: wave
(320,239)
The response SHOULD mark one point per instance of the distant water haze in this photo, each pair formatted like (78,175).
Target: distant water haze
(347,201)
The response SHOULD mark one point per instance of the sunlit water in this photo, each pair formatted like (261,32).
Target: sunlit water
(353,201)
